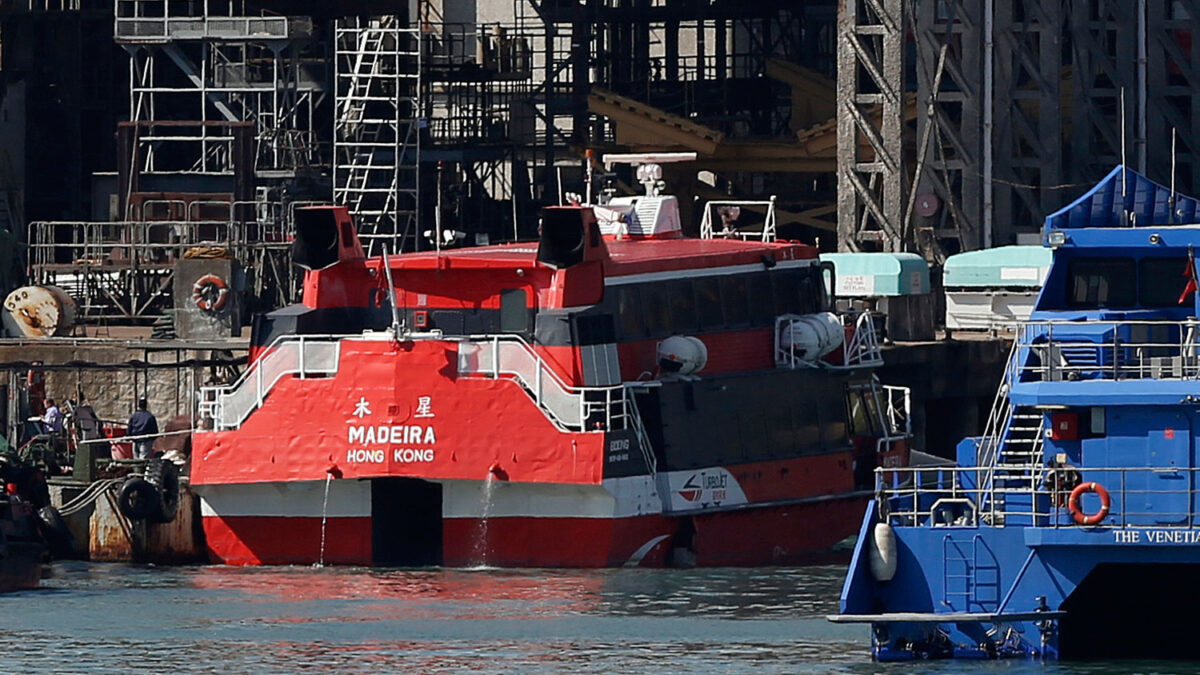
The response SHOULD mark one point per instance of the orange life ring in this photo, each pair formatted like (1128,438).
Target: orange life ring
(210,293)
(1077,513)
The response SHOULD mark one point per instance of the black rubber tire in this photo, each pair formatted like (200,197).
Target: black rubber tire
(138,499)
(163,474)
(54,530)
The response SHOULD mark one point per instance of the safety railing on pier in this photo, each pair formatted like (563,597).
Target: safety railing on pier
(301,355)
(1148,497)
(1108,350)
(571,408)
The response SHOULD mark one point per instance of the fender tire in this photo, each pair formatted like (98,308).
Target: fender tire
(164,476)
(138,499)
(54,530)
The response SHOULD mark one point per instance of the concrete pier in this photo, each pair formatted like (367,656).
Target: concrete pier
(953,385)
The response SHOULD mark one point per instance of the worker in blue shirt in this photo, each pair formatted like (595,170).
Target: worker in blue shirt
(142,423)
(52,420)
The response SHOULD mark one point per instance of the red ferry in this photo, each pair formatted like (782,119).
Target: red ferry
(615,394)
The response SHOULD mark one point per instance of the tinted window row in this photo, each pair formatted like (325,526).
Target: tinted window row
(1125,282)
(715,303)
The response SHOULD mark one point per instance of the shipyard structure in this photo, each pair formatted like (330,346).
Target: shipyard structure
(158,159)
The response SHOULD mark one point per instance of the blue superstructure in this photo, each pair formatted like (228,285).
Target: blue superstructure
(1072,526)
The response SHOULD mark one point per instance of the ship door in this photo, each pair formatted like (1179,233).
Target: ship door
(1156,448)
(596,336)
(406,522)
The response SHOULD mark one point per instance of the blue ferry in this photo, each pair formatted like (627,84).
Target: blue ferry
(1071,528)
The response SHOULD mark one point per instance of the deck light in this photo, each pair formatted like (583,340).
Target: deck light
(1056,238)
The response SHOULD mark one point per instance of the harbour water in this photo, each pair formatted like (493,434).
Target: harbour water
(119,618)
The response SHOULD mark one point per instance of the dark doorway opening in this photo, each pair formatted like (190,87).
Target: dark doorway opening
(406,522)
(1132,611)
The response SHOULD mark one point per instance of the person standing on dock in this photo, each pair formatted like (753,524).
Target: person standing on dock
(142,423)
(52,419)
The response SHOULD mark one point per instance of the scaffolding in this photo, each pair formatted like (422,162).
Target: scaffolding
(1022,103)
(377,130)
(201,62)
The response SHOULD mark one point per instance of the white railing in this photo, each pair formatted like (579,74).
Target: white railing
(862,349)
(733,208)
(1151,497)
(999,419)
(1108,350)
(569,407)
(200,27)
(302,355)
(897,410)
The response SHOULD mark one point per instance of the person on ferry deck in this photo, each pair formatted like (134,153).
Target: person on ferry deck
(142,423)
(52,420)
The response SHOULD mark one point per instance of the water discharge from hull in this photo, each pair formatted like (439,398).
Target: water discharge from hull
(324,521)
(479,552)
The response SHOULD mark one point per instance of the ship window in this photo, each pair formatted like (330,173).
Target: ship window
(864,416)
(793,292)
(734,303)
(708,302)
(806,424)
(762,306)
(683,306)
(514,311)
(656,308)
(629,309)
(1102,282)
(594,329)
(833,420)
(1161,281)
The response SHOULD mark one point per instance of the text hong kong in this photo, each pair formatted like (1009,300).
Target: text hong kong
(390,435)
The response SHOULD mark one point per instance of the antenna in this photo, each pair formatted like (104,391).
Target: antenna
(391,288)
(587,174)
(437,216)
(1171,203)
(1124,170)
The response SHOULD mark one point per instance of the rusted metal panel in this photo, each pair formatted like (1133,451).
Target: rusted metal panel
(113,537)
(39,311)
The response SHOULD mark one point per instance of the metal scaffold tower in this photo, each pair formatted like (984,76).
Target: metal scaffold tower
(202,62)
(870,141)
(378,129)
(1018,105)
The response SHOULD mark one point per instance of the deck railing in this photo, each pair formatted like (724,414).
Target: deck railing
(300,355)
(570,408)
(1108,350)
(1154,497)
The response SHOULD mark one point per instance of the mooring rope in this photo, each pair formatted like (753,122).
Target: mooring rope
(89,495)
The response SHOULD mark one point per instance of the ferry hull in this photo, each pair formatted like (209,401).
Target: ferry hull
(745,536)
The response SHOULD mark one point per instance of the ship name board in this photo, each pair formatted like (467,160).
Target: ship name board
(393,434)
(1156,536)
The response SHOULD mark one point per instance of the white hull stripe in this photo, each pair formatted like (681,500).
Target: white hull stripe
(704,272)
(616,498)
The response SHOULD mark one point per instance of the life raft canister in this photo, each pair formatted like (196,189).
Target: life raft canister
(1077,494)
(210,292)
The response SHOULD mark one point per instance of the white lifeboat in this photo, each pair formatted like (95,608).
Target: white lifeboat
(682,355)
(812,336)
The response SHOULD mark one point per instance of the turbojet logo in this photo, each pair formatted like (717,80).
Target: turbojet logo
(390,435)
(699,483)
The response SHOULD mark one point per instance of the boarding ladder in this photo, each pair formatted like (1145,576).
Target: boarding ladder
(1011,448)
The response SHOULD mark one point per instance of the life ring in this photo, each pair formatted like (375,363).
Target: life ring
(1077,513)
(210,293)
